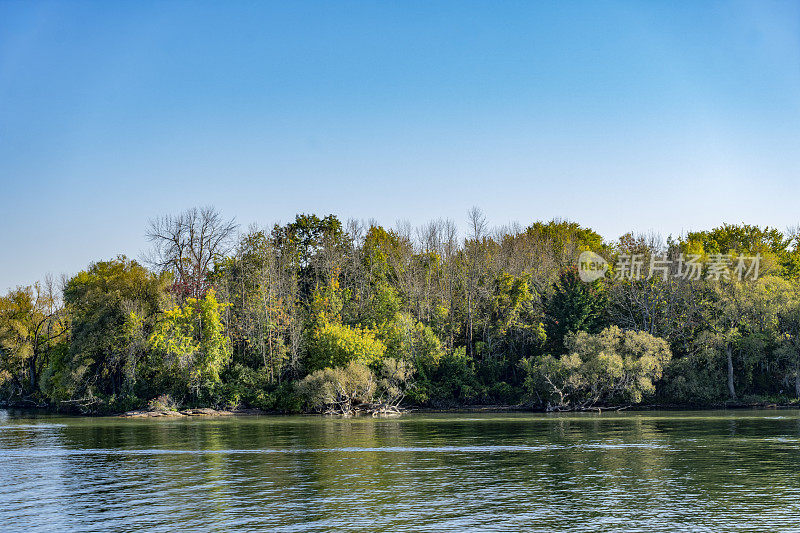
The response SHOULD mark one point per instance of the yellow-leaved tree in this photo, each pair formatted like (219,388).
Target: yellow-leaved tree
(191,344)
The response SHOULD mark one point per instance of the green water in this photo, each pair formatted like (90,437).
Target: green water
(667,471)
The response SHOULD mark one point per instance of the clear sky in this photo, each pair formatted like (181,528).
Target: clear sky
(635,115)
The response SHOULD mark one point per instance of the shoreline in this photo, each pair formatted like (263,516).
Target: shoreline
(475,409)
(207,412)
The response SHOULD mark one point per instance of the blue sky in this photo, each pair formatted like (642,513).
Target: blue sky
(636,115)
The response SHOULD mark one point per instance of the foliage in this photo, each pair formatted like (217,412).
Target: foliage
(163,402)
(573,306)
(434,318)
(395,380)
(612,366)
(334,345)
(451,381)
(743,322)
(745,239)
(338,389)
(190,345)
(110,307)
(32,324)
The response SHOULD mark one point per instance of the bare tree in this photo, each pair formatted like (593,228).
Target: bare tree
(448,243)
(188,244)
(477,223)
(474,249)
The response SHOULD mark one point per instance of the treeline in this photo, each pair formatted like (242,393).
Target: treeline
(318,315)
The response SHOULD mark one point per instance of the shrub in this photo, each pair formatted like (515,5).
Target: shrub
(338,390)
(336,345)
(504,393)
(694,379)
(396,379)
(612,366)
(248,387)
(452,380)
(162,403)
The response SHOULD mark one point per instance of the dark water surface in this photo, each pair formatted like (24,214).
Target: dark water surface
(666,471)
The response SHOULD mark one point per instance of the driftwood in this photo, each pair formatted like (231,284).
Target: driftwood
(85,405)
(374,409)
(584,408)
(382,409)
(147,413)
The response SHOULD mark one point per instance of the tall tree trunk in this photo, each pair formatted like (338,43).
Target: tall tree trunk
(729,355)
(33,376)
(469,324)
(797,379)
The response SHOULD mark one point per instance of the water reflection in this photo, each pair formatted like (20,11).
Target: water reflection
(634,471)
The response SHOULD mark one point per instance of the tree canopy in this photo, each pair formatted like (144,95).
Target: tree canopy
(319,312)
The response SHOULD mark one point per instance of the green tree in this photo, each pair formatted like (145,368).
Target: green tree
(191,345)
(611,366)
(316,248)
(333,345)
(788,350)
(513,326)
(747,240)
(738,317)
(31,323)
(573,306)
(262,318)
(110,305)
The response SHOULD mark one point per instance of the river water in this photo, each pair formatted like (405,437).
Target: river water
(649,471)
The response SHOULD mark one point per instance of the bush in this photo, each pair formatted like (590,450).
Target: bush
(162,403)
(696,379)
(336,345)
(612,366)
(451,381)
(287,399)
(504,393)
(396,380)
(337,390)
(246,387)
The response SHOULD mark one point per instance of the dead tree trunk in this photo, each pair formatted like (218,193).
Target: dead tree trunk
(729,356)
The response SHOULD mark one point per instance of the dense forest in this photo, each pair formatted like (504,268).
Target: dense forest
(325,316)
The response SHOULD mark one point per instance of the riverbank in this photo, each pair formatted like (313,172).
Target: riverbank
(602,408)
(460,409)
(466,409)
(205,411)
